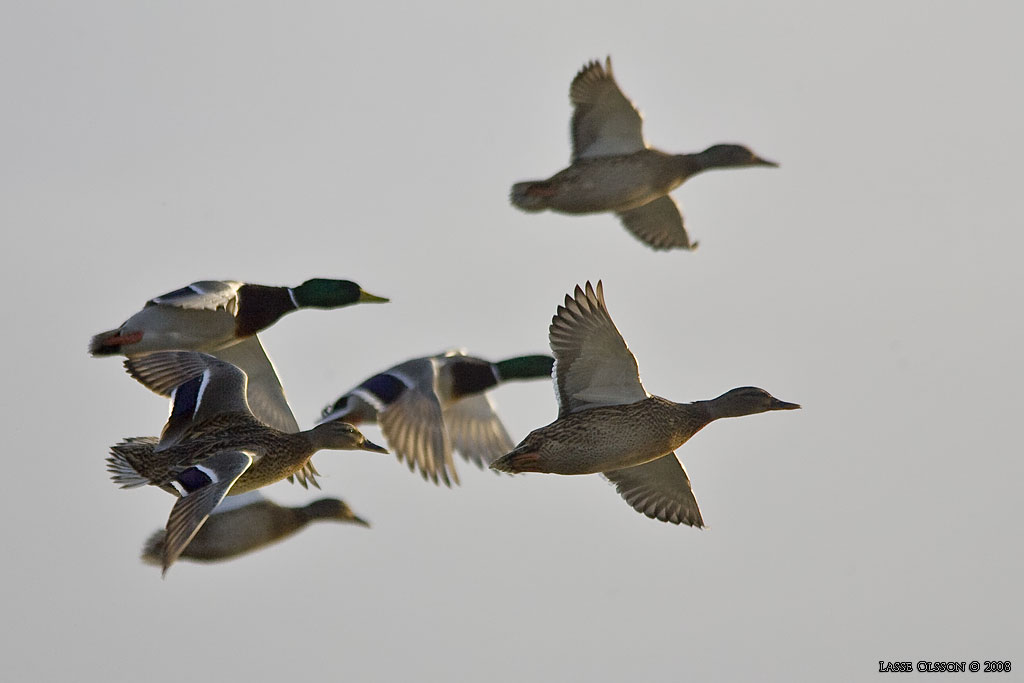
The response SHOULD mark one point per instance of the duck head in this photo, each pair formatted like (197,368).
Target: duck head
(341,436)
(731,156)
(333,508)
(746,401)
(324,293)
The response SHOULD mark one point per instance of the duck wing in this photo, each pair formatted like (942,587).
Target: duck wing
(206,295)
(265,395)
(659,489)
(593,365)
(476,431)
(604,121)
(202,487)
(410,417)
(658,224)
(199,386)
(264,391)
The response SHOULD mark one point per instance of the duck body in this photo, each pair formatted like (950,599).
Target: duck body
(276,455)
(608,437)
(211,314)
(601,184)
(431,406)
(161,328)
(248,527)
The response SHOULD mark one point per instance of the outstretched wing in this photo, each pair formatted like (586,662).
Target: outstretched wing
(659,489)
(265,395)
(414,427)
(476,431)
(264,392)
(202,487)
(199,386)
(604,121)
(658,224)
(593,366)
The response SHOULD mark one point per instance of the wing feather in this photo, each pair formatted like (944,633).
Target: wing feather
(593,365)
(658,224)
(604,121)
(659,489)
(476,430)
(206,295)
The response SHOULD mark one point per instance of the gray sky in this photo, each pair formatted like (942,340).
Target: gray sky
(874,278)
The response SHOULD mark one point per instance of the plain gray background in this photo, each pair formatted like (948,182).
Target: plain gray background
(874,278)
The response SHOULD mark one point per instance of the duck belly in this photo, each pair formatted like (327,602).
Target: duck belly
(594,445)
(599,184)
(266,471)
(615,185)
(164,328)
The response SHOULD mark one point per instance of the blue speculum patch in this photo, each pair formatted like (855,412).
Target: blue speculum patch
(193,479)
(186,396)
(385,387)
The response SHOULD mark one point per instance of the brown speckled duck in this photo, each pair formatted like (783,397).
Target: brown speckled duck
(212,445)
(613,168)
(248,522)
(608,423)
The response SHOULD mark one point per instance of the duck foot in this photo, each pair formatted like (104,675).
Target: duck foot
(515,463)
(121,339)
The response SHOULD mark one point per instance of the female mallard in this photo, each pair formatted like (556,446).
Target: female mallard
(222,318)
(608,423)
(248,522)
(613,169)
(429,406)
(212,445)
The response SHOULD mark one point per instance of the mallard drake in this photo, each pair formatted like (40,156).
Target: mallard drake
(613,168)
(608,423)
(212,445)
(428,406)
(221,318)
(248,522)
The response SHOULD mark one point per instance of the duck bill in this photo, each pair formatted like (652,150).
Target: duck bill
(368,445)
(783,405)
(360,521)
(367,298)
(758,161)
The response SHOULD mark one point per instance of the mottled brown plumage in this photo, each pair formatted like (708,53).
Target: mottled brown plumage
(608,423)
(276,454)
(212,446)
(610,437)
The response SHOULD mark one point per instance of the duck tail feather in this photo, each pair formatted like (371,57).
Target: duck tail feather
(529,196)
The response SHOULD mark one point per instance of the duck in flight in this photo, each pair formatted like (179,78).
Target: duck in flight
(222,318)
(248,522)
(427,407)
(607,422)
(614,169)
(212,445)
